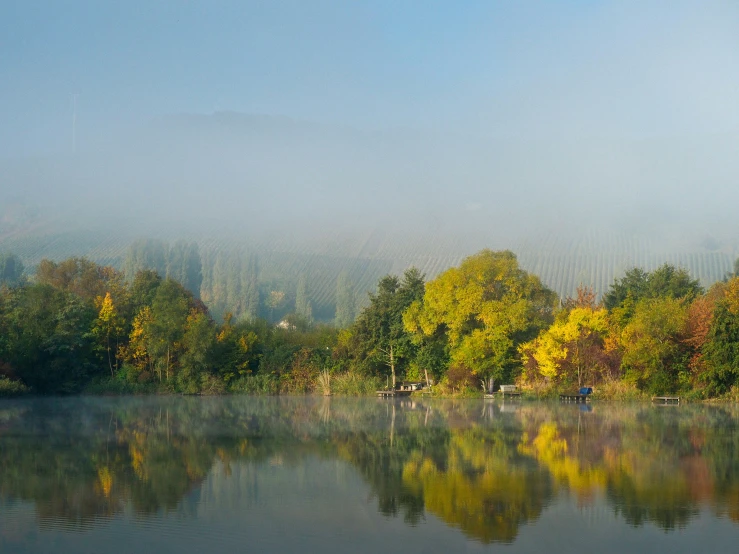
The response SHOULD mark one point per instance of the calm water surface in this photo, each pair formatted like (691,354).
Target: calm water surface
(342,475)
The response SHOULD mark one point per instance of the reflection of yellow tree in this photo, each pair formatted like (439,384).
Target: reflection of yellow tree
(483,476)
(553,452)
(646,478)
(478,488)
(645,486)
(105,480)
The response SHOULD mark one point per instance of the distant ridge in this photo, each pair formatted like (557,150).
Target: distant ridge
(562,263)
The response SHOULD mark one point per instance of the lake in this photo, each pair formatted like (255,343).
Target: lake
(242,474)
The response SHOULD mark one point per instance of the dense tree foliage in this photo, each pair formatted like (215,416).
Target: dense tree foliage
(180,261)
(573,345)
(665,281)
(77,325)
(485,308)
(377,342)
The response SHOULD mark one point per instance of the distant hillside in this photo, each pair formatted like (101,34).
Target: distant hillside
(283,258)
(309,201)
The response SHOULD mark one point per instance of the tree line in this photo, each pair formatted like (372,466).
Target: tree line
(81,326)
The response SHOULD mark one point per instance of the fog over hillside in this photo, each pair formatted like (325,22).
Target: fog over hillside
(585,138)
(239,172)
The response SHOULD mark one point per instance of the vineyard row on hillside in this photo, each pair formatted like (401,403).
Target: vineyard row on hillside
(268,272)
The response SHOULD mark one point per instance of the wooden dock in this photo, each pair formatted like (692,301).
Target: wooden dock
(666,399)
(577,398)
(502,394)
(391,393)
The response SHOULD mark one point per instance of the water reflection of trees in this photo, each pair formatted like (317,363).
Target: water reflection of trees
(480,468)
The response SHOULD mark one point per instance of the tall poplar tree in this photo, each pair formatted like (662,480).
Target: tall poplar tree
(11,270)
(302,302)
(345,301)
(145,254)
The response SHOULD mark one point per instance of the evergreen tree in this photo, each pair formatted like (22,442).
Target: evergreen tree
(666,281)
(380,341)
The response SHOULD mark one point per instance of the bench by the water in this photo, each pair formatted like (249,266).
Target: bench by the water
(503,394)
(509,390)
(506,391)
(404,389)
(666,399)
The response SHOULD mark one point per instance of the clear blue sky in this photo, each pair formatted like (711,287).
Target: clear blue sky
(531,69)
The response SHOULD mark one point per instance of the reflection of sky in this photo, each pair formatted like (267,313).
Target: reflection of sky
(324,506)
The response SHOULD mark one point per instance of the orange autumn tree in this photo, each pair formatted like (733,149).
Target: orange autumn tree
(700,319)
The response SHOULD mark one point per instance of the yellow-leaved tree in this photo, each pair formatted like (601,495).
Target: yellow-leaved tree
(485,307)
(572,348)
(108,327)
(136,353)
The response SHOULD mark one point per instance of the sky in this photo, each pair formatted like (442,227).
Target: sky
(494,121)
(567,70)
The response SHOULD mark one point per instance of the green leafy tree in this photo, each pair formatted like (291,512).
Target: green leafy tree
(720,351)
(81,277)
(197,343)
(631,286)
(236,350)
(666,281)
(485,307)
(380,342)
(169,309)
(653,350)
(144,288)
(48,341)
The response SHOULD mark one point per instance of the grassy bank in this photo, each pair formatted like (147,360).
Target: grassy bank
(260,384)
(345,384)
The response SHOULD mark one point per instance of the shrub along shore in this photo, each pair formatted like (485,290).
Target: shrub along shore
(78,327)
